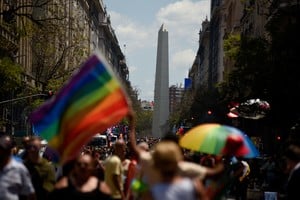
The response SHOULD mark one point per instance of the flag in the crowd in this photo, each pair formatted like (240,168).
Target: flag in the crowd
(89,103)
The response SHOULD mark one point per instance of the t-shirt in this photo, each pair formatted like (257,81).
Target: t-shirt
(113,166)
(181,190)
(15,180)
(42,177)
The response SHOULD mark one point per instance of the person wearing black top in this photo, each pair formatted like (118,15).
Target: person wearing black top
(80,184)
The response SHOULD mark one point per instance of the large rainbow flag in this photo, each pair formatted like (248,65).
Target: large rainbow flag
(89,103)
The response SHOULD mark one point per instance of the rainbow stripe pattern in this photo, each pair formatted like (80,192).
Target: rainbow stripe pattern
(211,138)
(89,103)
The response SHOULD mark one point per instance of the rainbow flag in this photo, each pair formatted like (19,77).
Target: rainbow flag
(89,103)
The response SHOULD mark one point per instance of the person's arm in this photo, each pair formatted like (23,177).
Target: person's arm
(132,134)
(191,169)
(217,170)
(200,189)
(130,176)
(117,182)
(105,188)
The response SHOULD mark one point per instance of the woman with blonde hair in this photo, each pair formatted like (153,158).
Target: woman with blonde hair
(171,185)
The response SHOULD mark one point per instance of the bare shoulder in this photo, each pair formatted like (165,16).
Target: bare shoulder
(62,183)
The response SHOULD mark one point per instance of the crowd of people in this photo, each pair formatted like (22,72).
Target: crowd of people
(133,169)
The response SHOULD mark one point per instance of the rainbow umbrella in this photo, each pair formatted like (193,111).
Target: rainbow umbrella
(219,139)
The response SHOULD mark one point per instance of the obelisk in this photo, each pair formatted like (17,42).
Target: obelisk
(161,90)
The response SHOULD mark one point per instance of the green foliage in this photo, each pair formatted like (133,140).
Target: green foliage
(185,105)
(232,45)
(175,118)
(143,117)
(36,103)
(268,69)
(55,84)
(10,75)
(251,73)
(144,120)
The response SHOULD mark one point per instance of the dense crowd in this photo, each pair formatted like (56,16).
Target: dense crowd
(132,169)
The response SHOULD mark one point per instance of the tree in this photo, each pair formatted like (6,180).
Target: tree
(144,122)
(13,9)
(182,112)
(284,30)
(232,45)
(143,117)
(249,77)
(268,68)
(10,75)
(59,47)
(58,40)
(58,44)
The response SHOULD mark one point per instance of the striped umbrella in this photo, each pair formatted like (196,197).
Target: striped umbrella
(219,139)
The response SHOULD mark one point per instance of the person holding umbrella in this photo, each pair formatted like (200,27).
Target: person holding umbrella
(152,175)
(232,179)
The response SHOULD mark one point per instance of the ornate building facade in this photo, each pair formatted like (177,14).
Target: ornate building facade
(49,40)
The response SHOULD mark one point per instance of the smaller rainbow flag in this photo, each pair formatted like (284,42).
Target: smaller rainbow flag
(89,103)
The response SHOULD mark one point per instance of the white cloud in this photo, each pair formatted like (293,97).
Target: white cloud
(182,19)
(182,59)
(130,33)
(183,12)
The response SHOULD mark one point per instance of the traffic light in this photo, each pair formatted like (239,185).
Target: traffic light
(49,94)
(278,138)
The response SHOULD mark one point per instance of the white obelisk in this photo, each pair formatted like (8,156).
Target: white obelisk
(161,90)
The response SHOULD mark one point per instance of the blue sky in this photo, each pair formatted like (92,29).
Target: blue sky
(136,24)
